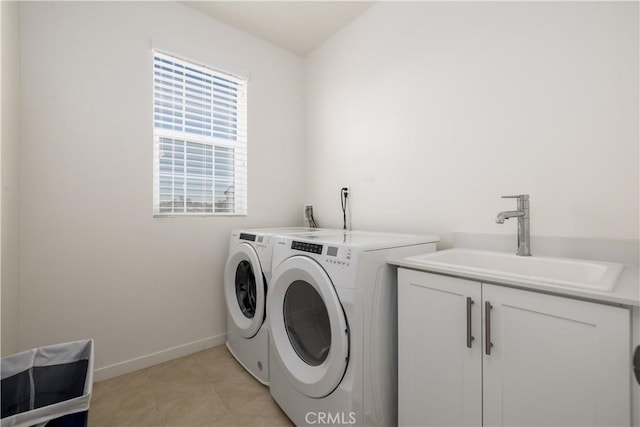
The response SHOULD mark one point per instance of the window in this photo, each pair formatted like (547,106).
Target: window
(200,139)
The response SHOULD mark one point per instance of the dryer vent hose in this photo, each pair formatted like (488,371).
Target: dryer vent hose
(308,213)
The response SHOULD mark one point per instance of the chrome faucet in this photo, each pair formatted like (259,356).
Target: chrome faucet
(524,240)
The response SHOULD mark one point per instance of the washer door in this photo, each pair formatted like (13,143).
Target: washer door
(308,327)
(244,289)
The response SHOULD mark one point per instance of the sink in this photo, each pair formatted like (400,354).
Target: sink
(575,273)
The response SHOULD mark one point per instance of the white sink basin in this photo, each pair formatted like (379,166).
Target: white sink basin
(575,273)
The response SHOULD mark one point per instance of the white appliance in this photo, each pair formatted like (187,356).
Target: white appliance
(246,277)
(332,317)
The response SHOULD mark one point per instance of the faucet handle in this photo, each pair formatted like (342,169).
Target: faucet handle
(519,197)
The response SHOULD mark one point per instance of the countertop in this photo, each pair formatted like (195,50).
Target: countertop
(626,291)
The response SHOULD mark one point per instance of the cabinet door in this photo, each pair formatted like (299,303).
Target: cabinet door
(554,361)
(439,377)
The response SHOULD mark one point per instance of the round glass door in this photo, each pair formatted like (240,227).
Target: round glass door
(308,327)
(307,322)
(244,290)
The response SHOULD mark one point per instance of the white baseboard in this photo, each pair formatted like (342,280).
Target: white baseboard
(142,362)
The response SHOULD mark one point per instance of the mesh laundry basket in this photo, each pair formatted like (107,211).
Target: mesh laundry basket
(48,385)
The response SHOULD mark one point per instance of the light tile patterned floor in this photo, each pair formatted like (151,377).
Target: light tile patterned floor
(208,388)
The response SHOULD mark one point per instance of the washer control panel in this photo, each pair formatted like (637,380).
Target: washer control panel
(339,256)
(314,248)
(338,260)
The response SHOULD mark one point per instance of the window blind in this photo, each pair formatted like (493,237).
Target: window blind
(200,139)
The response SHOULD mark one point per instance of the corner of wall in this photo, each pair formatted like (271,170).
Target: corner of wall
(10,89)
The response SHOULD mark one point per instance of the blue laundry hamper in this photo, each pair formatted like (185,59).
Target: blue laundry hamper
(48,386)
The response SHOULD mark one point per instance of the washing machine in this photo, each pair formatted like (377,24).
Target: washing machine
(246,276)
(332,310)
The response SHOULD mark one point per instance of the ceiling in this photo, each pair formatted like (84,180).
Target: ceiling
(298,26)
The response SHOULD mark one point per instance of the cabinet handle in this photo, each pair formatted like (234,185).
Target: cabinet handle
(487,328)
(469,336)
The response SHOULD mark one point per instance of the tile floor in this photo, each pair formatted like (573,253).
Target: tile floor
(208,388)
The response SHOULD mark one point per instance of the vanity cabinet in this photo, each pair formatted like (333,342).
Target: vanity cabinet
(478,354)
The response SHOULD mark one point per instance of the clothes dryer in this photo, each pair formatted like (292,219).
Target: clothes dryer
(246,276)
(332,317)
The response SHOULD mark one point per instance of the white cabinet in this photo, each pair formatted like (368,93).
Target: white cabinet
(439,377)
(553,360)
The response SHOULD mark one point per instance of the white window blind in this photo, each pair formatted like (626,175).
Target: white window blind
(200,139)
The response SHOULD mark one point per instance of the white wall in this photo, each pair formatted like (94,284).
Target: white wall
(94,261)
(10,153)
(431,111)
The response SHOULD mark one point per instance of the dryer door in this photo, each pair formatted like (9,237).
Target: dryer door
(244,289)
(309,330)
